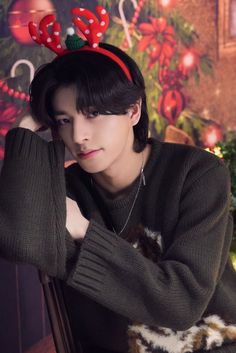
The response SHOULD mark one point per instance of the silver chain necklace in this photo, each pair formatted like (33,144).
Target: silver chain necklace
(141,180)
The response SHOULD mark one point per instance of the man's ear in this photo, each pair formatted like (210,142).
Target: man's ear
(134,112)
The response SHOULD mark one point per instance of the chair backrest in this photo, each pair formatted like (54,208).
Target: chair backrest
(60,325)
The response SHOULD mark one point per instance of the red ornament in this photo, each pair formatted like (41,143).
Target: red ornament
(211,135)
(24,11)
(5,88)
(11,92)
(8,114)
(4,129)
(22,96)
(170,78)
(170,104)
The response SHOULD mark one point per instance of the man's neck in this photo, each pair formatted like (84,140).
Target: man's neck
(116,182)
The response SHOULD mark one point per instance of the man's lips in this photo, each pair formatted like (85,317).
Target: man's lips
(88,153)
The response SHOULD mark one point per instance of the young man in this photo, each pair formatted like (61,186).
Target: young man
(138,231)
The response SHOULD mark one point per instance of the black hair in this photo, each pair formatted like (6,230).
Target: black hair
(100,83)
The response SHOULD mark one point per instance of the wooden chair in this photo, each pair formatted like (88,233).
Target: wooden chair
(61,330)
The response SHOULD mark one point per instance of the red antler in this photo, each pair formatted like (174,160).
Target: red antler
(94,30)
(53,41)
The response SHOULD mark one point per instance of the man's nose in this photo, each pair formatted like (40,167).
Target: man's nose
(81,129)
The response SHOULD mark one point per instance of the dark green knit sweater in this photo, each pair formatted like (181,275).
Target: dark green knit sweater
(109,283)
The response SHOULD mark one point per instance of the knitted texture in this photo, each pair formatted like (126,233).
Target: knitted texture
(110,284)
(193,273)
(32,207)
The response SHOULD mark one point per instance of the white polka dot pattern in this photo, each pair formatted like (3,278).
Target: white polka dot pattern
(95,27)
(43,37)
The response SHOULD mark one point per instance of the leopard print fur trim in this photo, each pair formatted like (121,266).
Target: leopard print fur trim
(207,334)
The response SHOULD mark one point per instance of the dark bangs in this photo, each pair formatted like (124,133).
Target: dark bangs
(99,83)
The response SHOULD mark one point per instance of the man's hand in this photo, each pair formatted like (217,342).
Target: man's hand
(26,121)
(76,224)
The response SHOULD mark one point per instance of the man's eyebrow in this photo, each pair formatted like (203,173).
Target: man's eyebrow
(59,112)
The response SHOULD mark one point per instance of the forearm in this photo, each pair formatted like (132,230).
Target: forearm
(26,121)
(28,217)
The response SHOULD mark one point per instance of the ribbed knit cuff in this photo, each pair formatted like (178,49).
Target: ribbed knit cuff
(70,246)
(72,252)
(97,246)
(21,143)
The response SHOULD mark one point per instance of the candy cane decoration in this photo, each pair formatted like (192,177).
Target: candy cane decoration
(26,62)
(133,22)
(10,91)
(124,21)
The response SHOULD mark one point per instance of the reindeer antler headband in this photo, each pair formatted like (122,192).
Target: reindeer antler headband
(92,32)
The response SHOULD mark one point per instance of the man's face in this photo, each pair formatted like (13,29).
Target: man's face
(109,137)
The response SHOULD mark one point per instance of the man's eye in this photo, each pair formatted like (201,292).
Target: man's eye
(93,114)
(61,122)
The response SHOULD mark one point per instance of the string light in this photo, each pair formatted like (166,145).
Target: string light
(217,151)
(217,92)
(205,113)
(167,3)
(211,135)
(212,138)
(188,60)
(233,259)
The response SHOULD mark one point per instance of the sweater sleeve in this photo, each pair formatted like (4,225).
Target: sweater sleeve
(31,222)
(175,292)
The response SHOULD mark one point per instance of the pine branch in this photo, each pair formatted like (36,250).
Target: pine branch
(185,32)
(206,65)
